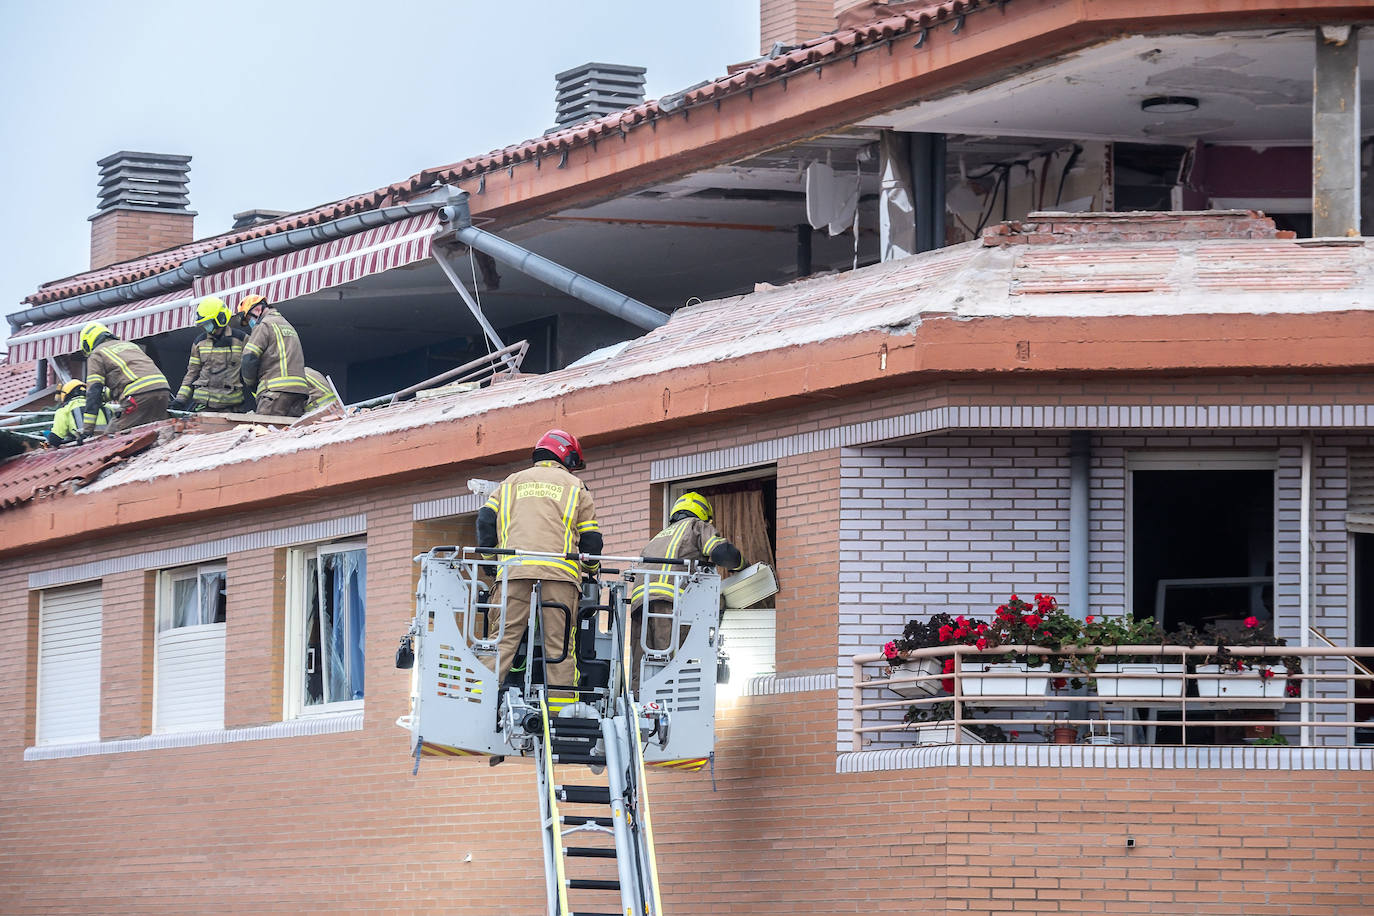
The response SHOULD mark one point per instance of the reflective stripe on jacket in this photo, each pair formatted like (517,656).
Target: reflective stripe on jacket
(212,373)
(686,539)
(321,393)
(121,369)
(277,361)
(547,509)
(66,420)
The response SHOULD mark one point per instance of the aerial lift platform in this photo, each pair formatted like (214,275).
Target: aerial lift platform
(608,726)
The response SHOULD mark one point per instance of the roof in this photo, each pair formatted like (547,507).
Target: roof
(42,473)
(742,81)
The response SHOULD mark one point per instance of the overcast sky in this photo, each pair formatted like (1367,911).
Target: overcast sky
(286,104)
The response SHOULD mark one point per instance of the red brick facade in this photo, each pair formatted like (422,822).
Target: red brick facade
(121,234)
(336,823)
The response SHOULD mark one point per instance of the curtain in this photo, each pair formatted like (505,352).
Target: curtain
(742,518)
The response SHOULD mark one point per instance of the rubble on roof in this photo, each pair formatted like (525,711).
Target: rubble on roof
(42,473)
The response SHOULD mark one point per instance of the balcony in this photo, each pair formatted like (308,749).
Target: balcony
(1171,700)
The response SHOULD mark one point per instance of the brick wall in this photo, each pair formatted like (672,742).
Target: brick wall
(336,823)
(121,234)
(793,21)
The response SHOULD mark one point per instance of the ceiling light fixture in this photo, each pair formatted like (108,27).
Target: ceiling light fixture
(1169,104)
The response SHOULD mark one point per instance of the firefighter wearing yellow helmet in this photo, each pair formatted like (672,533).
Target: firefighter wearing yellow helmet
(690,535)
(273,367)
(212,380)
(120,372)
(67,421)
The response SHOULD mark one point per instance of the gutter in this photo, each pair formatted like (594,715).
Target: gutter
(230,256)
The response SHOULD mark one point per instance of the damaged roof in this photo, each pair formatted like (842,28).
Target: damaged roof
(44,473)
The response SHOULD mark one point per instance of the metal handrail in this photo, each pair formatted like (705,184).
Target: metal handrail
(867,723)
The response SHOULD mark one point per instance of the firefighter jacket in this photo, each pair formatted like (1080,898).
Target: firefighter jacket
(120,369)
(67,420)
(685,539)
(321,393)
(272,357)
(543,508)
(212,375)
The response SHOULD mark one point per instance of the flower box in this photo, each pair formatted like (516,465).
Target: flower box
(916,668)
(1034,686)
(944,734)
(1247,684)
(1150,683)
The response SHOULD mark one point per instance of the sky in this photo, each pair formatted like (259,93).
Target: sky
(287,104)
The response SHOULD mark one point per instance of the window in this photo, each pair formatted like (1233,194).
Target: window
(745,505)
(69,665)
(326,628)
(192,607)
(1202,537)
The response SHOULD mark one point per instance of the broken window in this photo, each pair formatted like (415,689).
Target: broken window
(192,608)
(328,619)
(1202,539)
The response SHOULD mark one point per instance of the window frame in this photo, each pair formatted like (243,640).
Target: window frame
(1193,460)
(98,587)
(164,606)
(294,674)
(672,490)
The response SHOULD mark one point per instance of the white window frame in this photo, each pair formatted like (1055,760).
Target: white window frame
(736,621)
(89,725)
(207,639)
(1192,460)
(294,674)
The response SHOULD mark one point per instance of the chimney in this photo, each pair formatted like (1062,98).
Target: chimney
(593,90)
(790,22)
(253,217)
(142,206)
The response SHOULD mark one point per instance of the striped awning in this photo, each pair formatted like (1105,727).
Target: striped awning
(281,278)
(300,273)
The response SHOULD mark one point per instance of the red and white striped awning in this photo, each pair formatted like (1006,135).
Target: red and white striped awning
(282,278)
(300,273)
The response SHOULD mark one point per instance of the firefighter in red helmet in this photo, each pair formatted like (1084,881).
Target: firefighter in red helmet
(544,508)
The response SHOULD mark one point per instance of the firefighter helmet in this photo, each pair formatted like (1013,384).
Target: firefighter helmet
(91,334)
(696,504)
(212,313)
(563,447)
(247,305)
(71,386)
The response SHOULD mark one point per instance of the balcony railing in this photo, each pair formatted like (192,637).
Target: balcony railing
(1331,703)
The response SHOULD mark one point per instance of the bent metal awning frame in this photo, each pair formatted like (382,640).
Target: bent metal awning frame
(281,278)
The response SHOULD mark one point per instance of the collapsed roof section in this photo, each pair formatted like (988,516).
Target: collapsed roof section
(1060,292)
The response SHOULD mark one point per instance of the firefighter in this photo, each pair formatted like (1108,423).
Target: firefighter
(67,420)
(690,535)
(120,369)
(321,392)
(273,367)
(543,508)
(212,379)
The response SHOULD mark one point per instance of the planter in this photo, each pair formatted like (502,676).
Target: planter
(1065,734)
(1151,683)
(917,668)
(944,734)
(1034,686)
(1245,684)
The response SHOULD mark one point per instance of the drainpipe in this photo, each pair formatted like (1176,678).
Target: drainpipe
(1305,571)
(457,217)
(1080,459)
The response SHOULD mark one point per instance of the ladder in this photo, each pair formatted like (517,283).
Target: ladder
(603,820)
(609,734)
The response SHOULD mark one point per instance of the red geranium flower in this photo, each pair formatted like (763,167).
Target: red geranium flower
(1251,622)
(947,685)
(1266,673)
(949,666)
(981,643)
(1088,619)
(1031,621)
(890,650)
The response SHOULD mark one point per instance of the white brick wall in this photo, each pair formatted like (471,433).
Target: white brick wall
(958,522)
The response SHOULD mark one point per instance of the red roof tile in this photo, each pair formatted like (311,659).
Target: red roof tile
(38,473)
(740,79)
(16,380)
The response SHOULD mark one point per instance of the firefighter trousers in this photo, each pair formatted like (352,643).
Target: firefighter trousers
(554,626)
